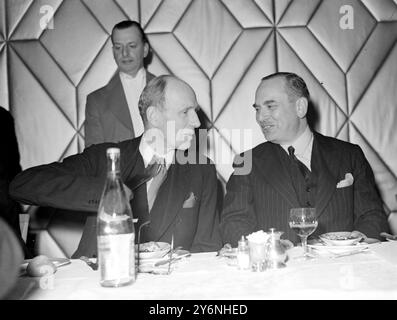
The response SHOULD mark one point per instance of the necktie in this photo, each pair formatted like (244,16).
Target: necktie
(159,173)
(148,173)
(302,168)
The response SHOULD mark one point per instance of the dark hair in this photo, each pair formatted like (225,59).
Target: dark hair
(127,24)
(153,95)
(295,85)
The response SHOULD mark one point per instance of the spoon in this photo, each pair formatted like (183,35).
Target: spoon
(388,236)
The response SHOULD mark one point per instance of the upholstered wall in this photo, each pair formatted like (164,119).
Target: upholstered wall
(344,49)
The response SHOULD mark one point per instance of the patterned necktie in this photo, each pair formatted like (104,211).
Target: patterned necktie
(302,168)
(159,173)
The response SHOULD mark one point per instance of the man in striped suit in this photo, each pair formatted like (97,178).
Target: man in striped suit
(298,167)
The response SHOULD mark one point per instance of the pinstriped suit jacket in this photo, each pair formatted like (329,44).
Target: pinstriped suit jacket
(263,198)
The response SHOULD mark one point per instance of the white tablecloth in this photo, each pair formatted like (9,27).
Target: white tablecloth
(370,275)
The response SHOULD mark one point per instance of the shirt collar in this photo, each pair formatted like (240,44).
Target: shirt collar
(140,75)
(302,143)
(148,152)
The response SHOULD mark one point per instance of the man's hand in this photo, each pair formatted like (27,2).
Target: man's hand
(129,193)
(358,234)
(287,244)
(363,237)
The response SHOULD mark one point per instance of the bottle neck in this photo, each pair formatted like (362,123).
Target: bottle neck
(113,165)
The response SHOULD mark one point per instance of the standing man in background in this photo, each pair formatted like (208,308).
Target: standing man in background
(111,113)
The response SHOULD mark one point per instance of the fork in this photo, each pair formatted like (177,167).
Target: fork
(139,243)
(171,252)
(345,254)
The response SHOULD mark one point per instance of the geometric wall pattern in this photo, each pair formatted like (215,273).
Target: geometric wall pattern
(222,48)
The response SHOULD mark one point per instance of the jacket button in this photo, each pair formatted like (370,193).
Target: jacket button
(308,189)
(308,204)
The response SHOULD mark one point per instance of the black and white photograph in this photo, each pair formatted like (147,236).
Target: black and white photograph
(198,156)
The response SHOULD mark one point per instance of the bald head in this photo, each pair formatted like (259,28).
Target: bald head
(160,89)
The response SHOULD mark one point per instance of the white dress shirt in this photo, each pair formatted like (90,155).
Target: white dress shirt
(303,146)
(133,88)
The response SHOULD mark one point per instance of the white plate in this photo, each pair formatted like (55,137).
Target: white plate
(161,264)
(339,238)
(153,250)
(337,249)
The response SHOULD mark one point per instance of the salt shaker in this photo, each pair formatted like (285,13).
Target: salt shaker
(243,257)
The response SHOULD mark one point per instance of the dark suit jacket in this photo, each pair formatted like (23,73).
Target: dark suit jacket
(263,198)
(9,167)
(11,257)
(77,184)
(107,116)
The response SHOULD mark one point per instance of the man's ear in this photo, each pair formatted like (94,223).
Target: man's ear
(152,116)
(301,107)
(145,49)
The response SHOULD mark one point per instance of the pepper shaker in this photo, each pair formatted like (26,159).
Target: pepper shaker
(243,257)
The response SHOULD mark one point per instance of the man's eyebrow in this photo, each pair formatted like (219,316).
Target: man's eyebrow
(264,102)
(196,108)
(269,101)
(121,42)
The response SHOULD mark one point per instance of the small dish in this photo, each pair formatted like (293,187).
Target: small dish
(231,256)
(153,250)
(339,239)
(323,248)
(160,265)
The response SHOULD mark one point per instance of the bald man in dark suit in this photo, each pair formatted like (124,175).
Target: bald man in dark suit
(297,167)
(184,207)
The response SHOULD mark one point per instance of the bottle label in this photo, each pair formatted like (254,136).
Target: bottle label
(116,255)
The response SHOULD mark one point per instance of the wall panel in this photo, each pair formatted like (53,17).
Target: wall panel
(222,48)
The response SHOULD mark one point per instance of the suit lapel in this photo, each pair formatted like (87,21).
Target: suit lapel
(325,161)
(271,166)
(133,176)
(149,76)
(118,102)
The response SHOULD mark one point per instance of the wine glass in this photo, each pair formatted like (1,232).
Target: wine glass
(303,221)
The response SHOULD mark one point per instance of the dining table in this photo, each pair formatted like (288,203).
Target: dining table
(370,274)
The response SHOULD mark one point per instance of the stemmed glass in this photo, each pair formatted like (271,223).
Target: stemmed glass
(303,221)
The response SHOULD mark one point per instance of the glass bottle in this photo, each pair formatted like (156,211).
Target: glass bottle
(115,228)
(243,257)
